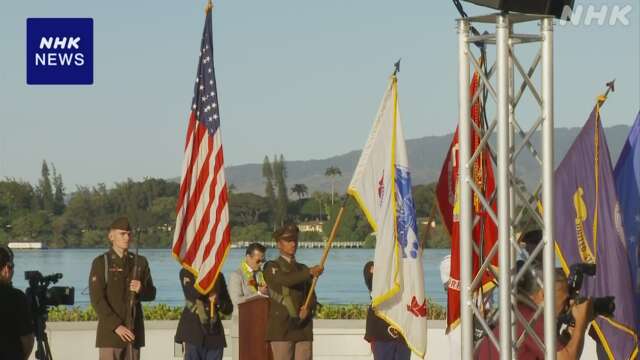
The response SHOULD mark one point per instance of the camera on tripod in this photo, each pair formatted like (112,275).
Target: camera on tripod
(604,306)
(40,297)
(43,295)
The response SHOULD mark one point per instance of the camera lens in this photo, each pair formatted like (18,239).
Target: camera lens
(604,306)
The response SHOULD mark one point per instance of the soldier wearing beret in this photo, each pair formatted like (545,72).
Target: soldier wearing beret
(290,325)
(112,282)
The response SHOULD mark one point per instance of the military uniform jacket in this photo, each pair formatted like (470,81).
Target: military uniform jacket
(288,285)
(110,299)
(191,329)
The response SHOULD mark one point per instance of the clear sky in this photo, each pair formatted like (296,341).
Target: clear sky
(302,78)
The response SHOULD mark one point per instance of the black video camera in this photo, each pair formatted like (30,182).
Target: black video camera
(41,296)
(604,306)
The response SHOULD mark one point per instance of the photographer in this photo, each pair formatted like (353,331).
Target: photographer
(532,295)
(16,324)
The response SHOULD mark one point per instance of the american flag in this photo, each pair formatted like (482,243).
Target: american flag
(202,234)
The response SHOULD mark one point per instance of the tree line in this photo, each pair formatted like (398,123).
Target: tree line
(46,212)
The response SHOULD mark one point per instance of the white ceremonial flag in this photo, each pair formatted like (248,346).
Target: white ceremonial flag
(381,185)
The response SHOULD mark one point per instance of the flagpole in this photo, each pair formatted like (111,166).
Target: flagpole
(327,247)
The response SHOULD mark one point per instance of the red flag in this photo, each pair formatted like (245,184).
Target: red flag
(202,233)
(485,231)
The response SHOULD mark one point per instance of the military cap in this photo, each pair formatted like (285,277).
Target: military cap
(288,232)
(121,223)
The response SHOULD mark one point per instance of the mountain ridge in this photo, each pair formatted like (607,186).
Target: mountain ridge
(426,155)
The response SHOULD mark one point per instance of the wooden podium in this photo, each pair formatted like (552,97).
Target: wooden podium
(252,329)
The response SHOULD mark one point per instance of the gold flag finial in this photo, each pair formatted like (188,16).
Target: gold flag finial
(209,6)
(610,88)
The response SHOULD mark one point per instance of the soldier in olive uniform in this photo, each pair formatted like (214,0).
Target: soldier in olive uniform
(112,282)
(290,325)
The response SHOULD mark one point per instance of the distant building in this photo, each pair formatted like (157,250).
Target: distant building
(311,226)
(424,221)
(26,245)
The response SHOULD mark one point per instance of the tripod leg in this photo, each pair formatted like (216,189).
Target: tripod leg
(40,352)
(47,349)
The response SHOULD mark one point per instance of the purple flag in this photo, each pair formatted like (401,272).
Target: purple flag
(589,229)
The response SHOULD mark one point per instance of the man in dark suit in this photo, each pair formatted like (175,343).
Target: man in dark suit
(290,324)
(200,327)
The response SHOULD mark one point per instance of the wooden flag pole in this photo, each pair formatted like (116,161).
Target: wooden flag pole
(327,247)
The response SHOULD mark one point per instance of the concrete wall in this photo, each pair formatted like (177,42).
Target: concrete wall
(333,339)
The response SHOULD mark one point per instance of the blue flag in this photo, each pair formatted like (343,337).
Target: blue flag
(589,230)
(627,176)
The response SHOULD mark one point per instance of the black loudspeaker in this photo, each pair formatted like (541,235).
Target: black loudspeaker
(538,7)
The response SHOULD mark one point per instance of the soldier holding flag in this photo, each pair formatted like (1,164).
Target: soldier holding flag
(290,324)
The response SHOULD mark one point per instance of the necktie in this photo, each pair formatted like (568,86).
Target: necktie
(255,279)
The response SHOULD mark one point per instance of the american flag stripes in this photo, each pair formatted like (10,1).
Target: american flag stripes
(202,233)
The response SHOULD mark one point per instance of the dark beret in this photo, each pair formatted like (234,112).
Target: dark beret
(121,223)
(288,232)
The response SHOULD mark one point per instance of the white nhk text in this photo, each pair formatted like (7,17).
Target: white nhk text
(44,58)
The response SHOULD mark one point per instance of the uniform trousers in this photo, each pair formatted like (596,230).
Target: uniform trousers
(118,354)
(290,350)
(390,350)
(195,352)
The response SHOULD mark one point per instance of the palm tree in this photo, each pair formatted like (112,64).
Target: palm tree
(332,172)
(300,190)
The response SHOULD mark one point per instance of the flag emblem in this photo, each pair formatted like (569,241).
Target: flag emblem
(417,309)
(406,210)
(381,188)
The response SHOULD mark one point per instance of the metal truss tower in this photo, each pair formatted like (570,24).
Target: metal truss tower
(514,201)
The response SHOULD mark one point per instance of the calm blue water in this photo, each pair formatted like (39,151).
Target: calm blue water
(341,283)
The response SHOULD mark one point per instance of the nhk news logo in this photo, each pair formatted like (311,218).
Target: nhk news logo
(59,51)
